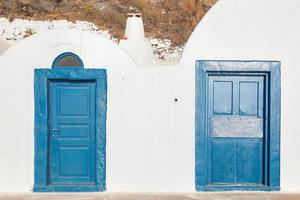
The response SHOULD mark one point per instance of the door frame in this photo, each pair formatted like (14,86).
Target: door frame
(41,119)
(269,69)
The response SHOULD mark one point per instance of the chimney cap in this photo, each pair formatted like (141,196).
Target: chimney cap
(132,14)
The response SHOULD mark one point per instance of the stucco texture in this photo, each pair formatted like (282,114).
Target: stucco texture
(150,135)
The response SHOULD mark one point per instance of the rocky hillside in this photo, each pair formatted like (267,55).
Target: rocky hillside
(164,19)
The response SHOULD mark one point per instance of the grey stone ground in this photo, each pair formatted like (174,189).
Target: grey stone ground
(150,196)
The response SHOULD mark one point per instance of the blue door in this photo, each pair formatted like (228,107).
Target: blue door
(236,130)
(72,132)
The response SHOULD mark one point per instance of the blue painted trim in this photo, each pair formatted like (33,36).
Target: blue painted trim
(41,77)
(61,56)
(271,70)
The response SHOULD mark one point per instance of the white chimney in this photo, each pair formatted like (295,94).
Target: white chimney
(134,27)
(134,42)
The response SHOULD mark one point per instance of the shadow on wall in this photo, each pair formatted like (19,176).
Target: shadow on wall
(3,46)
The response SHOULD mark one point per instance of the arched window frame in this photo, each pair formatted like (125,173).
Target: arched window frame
(61,56)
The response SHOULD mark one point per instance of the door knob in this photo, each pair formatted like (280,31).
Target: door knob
(54,131)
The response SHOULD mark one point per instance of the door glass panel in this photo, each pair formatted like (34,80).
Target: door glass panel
(222,92)
(248,98)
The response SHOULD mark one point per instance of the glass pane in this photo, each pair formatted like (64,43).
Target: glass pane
(69,61)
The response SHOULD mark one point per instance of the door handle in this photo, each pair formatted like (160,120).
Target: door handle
(54,132)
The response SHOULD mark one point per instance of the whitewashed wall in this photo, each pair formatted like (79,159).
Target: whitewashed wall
(150,138)
(140,117)
(253,30)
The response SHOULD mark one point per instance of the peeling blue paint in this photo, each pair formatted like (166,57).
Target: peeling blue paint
(41,176)
(271,71)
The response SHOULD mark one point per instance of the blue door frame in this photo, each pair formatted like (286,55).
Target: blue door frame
(42,84)
(270,71)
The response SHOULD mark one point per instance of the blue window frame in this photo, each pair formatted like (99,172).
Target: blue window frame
(225,72)
(42,77)
(67,59)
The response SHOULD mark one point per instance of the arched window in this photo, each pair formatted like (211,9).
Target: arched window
(67,59)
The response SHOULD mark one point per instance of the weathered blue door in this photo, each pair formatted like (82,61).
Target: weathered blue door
(72,133)
(235,130)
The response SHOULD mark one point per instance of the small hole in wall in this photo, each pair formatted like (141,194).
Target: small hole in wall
(175,100)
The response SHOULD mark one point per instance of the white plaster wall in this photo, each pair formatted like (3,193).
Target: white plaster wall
(141,150)
(150,138)
(251,30)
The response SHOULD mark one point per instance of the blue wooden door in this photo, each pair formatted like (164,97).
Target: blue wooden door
(72,133)
(235,130)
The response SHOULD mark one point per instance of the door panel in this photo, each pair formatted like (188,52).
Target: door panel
(223,161)
(235,129)
(236,126)
(72,132)
(73,100)
(73,161)
(249,161)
